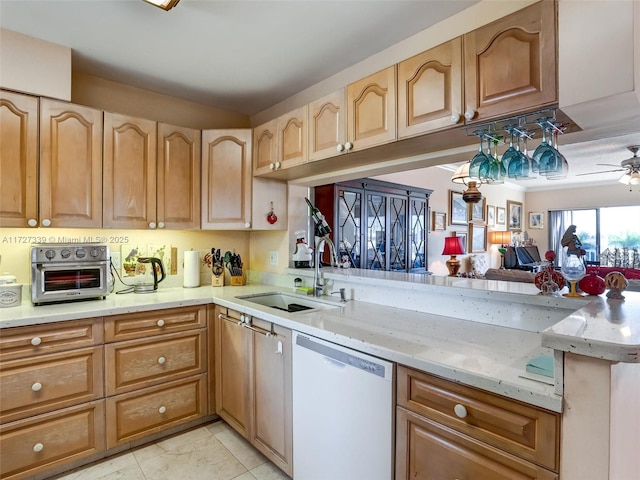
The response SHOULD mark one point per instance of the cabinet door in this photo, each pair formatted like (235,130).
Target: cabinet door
(233,347)
(417,229)
(376,233)
(70,165)
(397,239)
(430,90)
(327,125)
(265,149)
(178,199)
(371,109)
(272,430)
(510,64)
(426,450)
(18,160)
(292,138)
(226,179)
(129,172)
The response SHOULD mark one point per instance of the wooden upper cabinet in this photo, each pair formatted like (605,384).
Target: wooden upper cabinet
(327,125)
(371,109)
(178,179)
(18,160)
(265,149)
(430,90)
(129,172)
(70,165)
(226,179)
(510,64)
(292,138)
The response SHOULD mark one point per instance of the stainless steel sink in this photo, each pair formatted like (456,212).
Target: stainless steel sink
(289,302)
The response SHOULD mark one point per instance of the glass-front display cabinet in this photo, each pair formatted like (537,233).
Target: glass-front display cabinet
(377,225)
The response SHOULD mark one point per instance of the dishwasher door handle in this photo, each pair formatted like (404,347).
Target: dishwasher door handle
(334,363)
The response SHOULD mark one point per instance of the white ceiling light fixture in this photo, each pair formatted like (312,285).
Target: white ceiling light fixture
(163,4)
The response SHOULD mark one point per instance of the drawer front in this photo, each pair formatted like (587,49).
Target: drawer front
(21,342)
(135,415)
(141,363)
(38,444)
(157,322)
(525,431)
(48,382)
(426,450)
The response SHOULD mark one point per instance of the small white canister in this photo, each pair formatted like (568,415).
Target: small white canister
(10,291)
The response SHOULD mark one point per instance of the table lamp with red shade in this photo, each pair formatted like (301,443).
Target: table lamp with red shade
(453,246)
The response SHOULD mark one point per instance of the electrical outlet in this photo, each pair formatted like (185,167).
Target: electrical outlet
(116,259)
(273,257)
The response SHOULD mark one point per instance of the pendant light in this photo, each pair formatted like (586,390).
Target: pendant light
(163,4)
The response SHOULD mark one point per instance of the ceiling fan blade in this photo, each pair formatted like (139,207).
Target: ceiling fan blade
(608,165)
(604,171)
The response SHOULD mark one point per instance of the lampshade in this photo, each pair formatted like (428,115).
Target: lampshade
(453,246)
(461,175)
(500,237)
(163,4)
(632,178)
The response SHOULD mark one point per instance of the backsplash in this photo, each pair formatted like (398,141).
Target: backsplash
(15,245)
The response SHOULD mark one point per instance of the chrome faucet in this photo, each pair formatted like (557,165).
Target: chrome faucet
(318,284)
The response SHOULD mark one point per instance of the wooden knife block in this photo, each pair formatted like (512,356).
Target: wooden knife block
(238,280)
(217,280)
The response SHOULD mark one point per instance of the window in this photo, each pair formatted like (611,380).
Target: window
(598,229)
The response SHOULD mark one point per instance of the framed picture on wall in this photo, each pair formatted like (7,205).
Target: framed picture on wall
(500,216)
(457,209)
(463,239)
(514,212)
(439,220)
(536,220)
(477,238)
(477,211)
(491,215)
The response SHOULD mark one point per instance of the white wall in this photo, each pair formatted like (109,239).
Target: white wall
(31,65)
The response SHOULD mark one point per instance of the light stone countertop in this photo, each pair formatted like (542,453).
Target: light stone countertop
(481,333)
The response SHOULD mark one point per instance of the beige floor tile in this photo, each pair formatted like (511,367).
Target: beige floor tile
(245,476)
(268,471)
(217,427)
(204,459)
(122,466)
(241,449)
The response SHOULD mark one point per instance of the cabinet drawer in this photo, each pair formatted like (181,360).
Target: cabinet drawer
(427,450)
(21,342)
(138,414)
(47,382)
(141,363)
(43,442)
(525,431)
(157,322)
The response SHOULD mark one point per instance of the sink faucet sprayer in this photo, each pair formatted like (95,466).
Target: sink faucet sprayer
(321,232)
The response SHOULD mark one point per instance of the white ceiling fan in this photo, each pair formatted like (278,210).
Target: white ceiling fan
(631,167)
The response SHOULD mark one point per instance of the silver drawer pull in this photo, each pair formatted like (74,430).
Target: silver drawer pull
(35,341)
(460,410)
(161,360)
(38,447)
(36,387)
(162,409)
(160,323)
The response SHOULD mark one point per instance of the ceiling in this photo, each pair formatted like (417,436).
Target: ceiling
(246,56)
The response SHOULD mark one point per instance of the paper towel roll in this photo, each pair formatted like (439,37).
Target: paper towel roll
(191,269)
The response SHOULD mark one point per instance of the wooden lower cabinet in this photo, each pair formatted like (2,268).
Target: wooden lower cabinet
(430,451)
(253,383)
(37,444)
(138,414)
(448,430)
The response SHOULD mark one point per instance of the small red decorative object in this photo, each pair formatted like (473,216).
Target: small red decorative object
(548,280)
(271,217)
(592,284)
(550,255)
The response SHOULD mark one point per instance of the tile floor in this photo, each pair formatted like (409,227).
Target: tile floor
(212,452)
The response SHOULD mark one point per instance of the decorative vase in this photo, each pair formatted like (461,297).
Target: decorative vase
(573,270)
(548,281)
(592,283)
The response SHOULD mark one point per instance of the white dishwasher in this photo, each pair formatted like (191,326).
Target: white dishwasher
(343,410)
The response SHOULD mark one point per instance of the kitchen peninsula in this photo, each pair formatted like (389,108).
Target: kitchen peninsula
(476,333)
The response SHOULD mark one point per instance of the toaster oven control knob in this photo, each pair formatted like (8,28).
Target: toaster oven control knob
(94,252)
(50,254)
(81,253)
(65,253)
